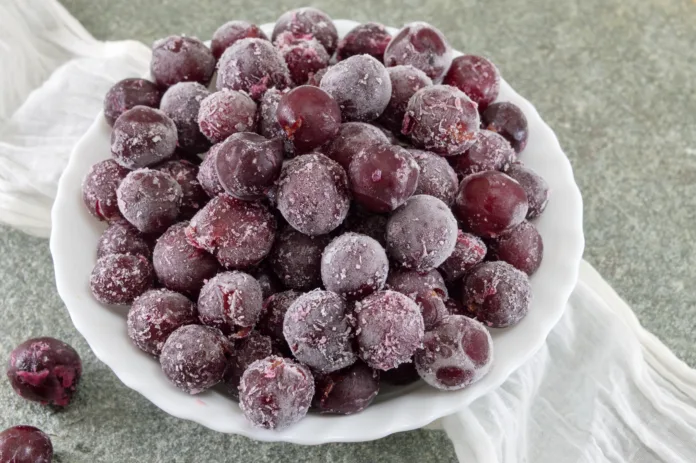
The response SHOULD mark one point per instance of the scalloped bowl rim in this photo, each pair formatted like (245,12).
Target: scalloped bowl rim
(73,242)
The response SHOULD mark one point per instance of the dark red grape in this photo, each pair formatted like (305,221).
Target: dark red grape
(406,81)
(352,138)
(468,251)
(246,351)
(99,190)
(490,203)
(142,137)
(123,238)
(186,175)
(274,309)
(180,266)
(150,200)
(346,391)
(181,59)
(477,77)
(44,370)
(309,117)
(231,32)
(231,302)
(354,266)
(239,233)
(308,22)
(389,329)
(313,194)
(25,444)
(194,358)
(155,315)
(252,65)
(436,178)
(275,392)
(181,102)
(127,94)
(521,247)
(509,121)
(456,354)
(303,56)
(490,152)
(365,39)
(441,119)
(361,87)
(207,173)
(249,164)
(422,233)
(402,375)
(497,294)
(120,278)
(296,259)
(412,283)
(317,330)
(366,223)
(423,47)
(227,112)
(383,177)
(534,185)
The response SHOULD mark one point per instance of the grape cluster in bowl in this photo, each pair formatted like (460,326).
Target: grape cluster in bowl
(350,223)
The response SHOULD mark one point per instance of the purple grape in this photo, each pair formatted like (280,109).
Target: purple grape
(181,59)
(436,178)
(309,117)
(44,370)
(534,186)
(123,238)
(352,138)
(194,358)
(490,152)
(346,391)
(99,190)
(25,444)
(127,94)
(475,76)
(317,330)
(468,251)
(207,173)
(248,164)
(120,278)
(181,102)
(275,392)
(411,283)
(231,302)
(225,113)
(155,315)
(303,56)
(521,247)
(423,47)
(274,309)
(365,39)
(296,259)
(406,81)
(185,173)
(231,32)
(308,22)
(509,121)
(246,351)
(142,137)
(150,200)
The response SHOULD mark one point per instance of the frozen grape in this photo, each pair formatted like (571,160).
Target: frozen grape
(207,173)
(411,283)
(303,56)
(383,177)
(296,259)
(25,444)
(436,178)
(317,330)
(150,200)
(142,137)
(194,358)
(231,302)
(497,294)
(313,194)
(406,81)
(275,392)
(181,59)
(239,233)
(490,152)
(309,117)
(367,223)
(361,87)
(509,121)
(423,47)
(44,370)
(129,93)
(181,102)
(246,351)
(365,39)
(180,266)
(232,31)
(155,315)
(352,138)
(252,65)
(455,354)
(122,238)
(475,76)
(354,266)
(274,309)
(248,165)
(389,329)
(99,190)
(490,203)
(468,251)
(346,391)
(120,278)
(308,22)
(441,119)
(422,233)
(521,247)
(185,173)
(227,112)
(534,185)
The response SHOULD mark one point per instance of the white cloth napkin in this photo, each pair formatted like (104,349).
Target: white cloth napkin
(601,389)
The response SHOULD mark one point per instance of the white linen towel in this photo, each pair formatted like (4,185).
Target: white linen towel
(601,389)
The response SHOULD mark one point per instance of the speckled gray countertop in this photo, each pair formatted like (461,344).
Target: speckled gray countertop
(616,80)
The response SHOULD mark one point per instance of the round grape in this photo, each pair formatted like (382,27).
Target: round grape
(490,152)
(509,121)
(303,56)
(231,32)
(120,278)
(436,178)
(309,117)
(423,47)
(296,259)
(25,444)
(99,190)
(227,112)
(365,39)
(468,251)
(129,93)
(207,173)
(123,238)
(521,247)
(185,174)
(142,137)
(181,59)
(308,22)
(231,302)
(534,186)
(246,351)
(181,102)
(477,77)
(406,81)
(346,391)
(150,200)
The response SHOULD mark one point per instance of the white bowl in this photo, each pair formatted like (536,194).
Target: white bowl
(73,245)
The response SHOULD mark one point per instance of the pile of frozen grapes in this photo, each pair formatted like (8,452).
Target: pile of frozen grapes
(359,213)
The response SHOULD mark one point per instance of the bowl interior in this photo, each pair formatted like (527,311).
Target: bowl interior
(73,245)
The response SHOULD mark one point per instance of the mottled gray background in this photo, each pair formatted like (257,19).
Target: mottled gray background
(615,79)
